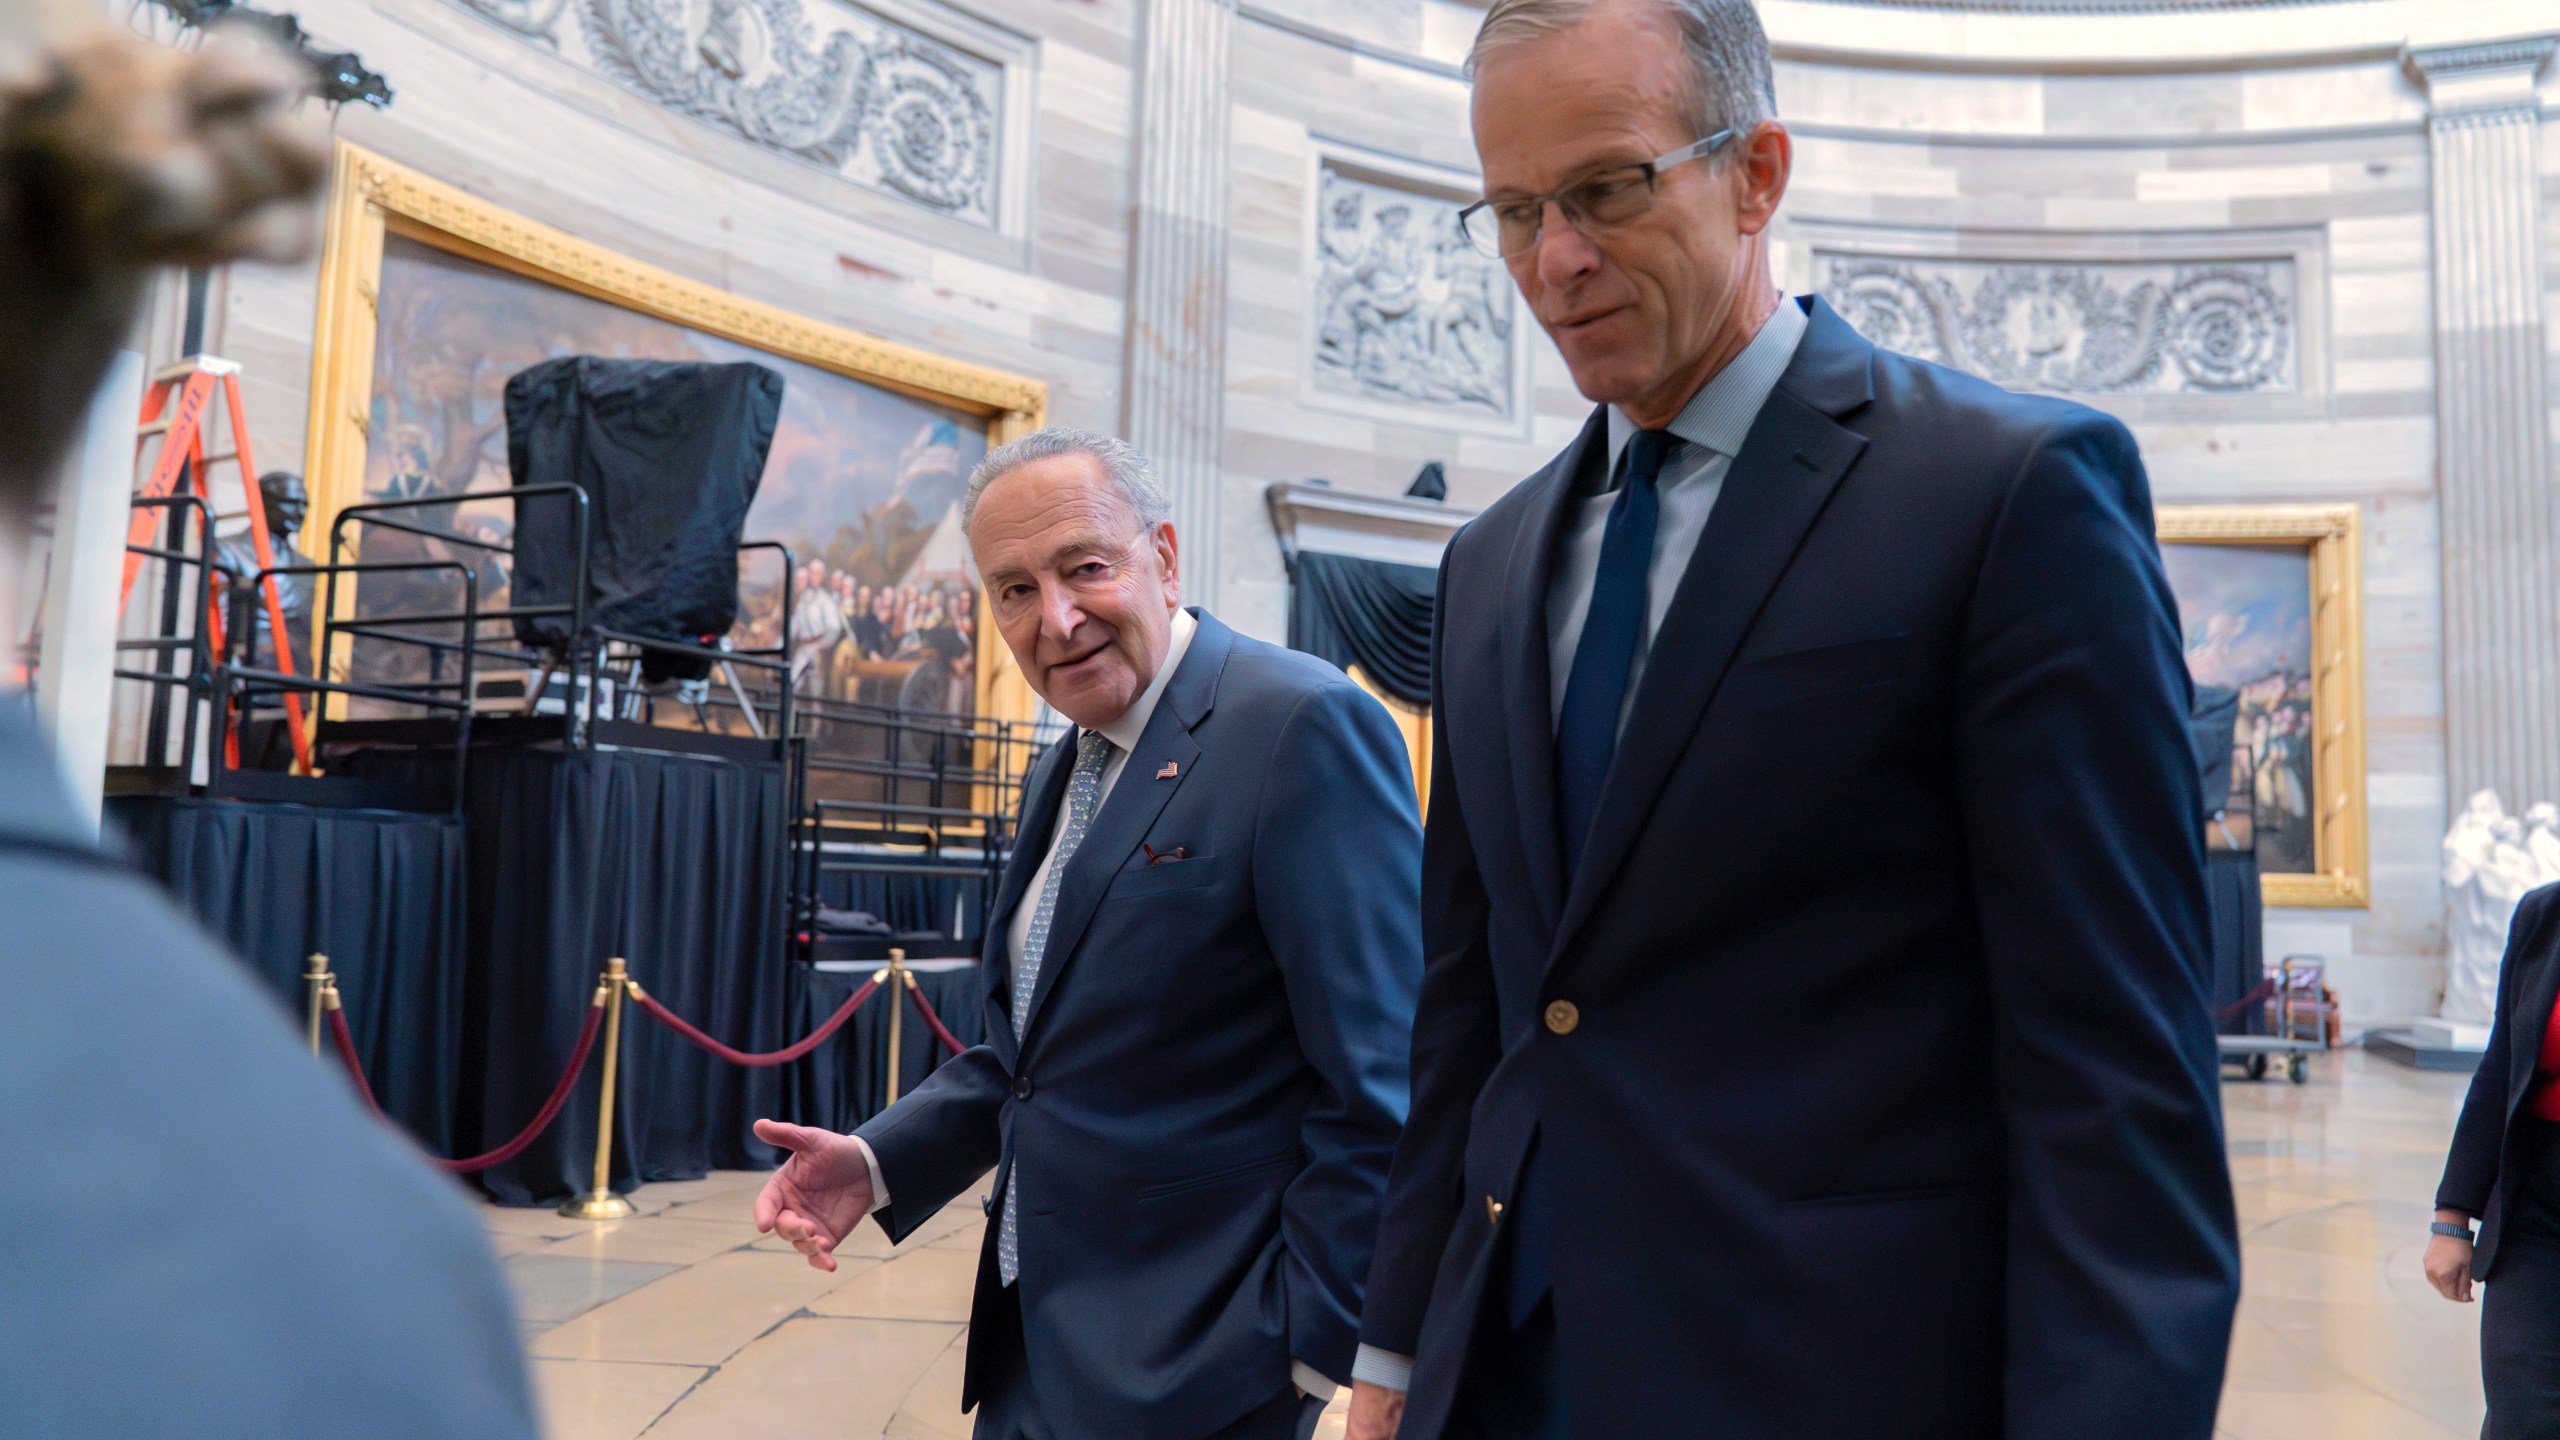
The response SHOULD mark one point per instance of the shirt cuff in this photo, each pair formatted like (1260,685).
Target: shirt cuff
(1314,1383)
(879,1187)
(1383,1368)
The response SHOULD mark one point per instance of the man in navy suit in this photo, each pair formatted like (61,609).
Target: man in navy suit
(1812,1040)
(1200,995)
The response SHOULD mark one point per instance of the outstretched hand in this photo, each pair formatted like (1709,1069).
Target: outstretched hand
(818,1195)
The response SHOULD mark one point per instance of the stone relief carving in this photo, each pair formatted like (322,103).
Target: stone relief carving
(1405,310)
(2223,327)
(826,82)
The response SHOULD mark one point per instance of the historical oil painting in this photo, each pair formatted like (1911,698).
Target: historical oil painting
(1405,311)
(863,484)
(2248,617)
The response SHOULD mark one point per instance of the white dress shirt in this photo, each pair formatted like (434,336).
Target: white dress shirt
(1124,735)
(1713,426)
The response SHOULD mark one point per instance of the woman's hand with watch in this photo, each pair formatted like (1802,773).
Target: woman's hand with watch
(2448,1259)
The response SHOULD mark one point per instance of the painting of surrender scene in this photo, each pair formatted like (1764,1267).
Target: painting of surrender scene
(2246,610)
(862,483)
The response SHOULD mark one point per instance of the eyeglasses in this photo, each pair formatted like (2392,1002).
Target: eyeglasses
(1505,229)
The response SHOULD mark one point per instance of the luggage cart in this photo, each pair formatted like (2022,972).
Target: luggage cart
(2298,1013)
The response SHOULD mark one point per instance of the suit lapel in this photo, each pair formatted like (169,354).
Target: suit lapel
(1042,793)
(2536,993)
(1137,798)
(1777,487)
(1528,702)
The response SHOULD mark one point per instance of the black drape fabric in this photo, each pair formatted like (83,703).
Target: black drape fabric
(1368,613)
(2235,907)
(377,891)
(672,862)
(845,1081)
(913,903)
(670,455)
(2237,911)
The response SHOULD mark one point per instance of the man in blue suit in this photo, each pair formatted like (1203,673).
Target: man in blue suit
(1200,991)
(1812,1042)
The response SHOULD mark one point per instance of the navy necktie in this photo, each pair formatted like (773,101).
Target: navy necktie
(1596,692)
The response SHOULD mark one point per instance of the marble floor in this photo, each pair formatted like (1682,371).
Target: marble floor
(683,1324)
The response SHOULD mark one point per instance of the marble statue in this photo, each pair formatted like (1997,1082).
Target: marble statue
(2492,860)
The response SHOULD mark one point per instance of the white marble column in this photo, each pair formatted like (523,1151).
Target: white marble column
(1178,270)
(2494,464)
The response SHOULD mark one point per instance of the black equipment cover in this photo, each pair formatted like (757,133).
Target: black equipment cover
(670,455)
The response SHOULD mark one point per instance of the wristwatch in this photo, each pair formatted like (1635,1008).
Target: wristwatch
(2449,1229)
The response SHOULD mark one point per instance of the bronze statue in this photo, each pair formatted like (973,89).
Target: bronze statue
(245,623)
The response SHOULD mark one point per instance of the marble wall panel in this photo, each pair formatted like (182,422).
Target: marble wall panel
(883,95)
(505,119)
(2222,327)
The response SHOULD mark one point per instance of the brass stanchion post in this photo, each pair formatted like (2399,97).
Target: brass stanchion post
(601,1203)
(896,975)
(315,980)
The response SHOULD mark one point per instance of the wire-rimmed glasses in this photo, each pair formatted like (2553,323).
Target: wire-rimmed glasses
(1504,229)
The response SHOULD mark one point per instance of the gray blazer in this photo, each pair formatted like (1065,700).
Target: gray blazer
(200,1232)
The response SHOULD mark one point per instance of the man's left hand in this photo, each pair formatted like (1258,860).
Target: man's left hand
(1376,1411)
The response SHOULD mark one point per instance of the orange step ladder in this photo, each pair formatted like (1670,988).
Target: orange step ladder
(194,383)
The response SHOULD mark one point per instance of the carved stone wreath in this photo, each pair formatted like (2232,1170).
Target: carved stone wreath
(875,102)
(2087,329)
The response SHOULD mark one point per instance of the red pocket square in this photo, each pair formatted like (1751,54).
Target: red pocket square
(1178,852)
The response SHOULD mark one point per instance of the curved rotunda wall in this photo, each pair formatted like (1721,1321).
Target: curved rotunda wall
(2268,170)
(2254,182)
(2217,221)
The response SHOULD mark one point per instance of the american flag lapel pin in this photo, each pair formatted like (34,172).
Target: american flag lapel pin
(1172,768)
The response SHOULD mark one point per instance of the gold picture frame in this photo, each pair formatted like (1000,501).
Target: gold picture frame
(371,197)
(2333,537)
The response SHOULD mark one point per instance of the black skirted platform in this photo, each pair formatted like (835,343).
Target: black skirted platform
(468,949)
(378,891)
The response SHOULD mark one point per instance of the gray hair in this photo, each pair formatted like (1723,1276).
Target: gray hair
(1128,471)
(1729,81)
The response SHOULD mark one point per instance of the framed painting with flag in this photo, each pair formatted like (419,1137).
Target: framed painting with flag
(432,298)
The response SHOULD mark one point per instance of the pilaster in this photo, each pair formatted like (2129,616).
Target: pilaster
(2494,471)
(1178,286)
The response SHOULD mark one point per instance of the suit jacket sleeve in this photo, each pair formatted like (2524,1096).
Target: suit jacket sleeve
(2479,1137)
(1457,1041)
(937,1140)
(2078,788)
(1337,871)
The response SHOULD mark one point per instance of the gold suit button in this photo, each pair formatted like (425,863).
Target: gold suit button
(1492,1211)
(1562,1017)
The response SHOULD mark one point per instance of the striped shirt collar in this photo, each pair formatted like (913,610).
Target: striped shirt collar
(1719,416)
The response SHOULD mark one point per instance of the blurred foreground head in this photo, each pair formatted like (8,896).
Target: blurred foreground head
(119,156)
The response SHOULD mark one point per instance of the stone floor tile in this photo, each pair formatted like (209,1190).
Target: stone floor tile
(668,1237)
(928,1284)
(606,1400)
(931,1410)
(811,1379)
(552,1288)
(698,1316)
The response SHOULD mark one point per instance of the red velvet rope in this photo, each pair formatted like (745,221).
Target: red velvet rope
(941,1031)
(2266,991)
(817,1037)
(513,1148)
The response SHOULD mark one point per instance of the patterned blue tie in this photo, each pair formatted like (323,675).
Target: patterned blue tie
(1595,694)
(1084,796)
